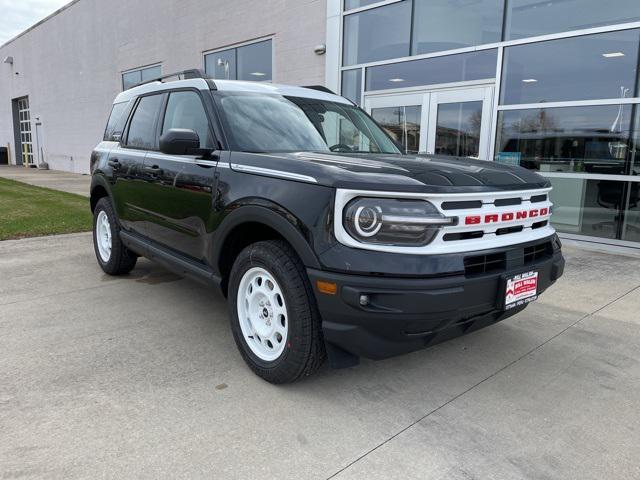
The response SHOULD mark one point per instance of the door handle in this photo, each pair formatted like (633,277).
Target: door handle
(154,170)
(114,163)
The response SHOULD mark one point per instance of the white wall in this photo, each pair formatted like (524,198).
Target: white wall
(70,65)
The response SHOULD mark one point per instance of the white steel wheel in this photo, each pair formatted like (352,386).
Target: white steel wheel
(103,236)
(262,314)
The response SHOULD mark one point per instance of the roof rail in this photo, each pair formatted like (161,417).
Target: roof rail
(184,75)
(320,88)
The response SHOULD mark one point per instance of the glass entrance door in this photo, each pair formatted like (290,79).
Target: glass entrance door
(402,117)
(453,122)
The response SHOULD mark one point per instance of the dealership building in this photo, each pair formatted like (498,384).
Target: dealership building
(550,85)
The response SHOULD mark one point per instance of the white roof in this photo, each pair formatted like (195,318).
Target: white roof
(231,86)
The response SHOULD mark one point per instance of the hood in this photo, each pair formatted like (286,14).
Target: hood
(411,173)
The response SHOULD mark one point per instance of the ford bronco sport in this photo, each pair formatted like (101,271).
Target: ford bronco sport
(326,239)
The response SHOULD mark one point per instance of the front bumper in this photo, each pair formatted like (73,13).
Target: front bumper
(407,314)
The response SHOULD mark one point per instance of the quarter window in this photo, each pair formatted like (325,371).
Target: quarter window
(185,110)
(248,62)
(116,122)
(142,130)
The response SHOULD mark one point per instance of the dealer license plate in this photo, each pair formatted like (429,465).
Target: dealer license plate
(521,289)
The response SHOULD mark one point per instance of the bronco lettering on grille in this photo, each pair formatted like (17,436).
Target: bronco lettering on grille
(506,216)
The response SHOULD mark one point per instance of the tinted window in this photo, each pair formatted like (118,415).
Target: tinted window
(377,34)
(185,110)
(572,139)
(352,85)
(447,69)
(254,62)
(527,18)
(116,122)
(579,68)
(448,24)
(142,129)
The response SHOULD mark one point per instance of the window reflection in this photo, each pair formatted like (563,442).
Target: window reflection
(378,34)
(580,68)
(251,62)
(528,18)
(402,124)
(429,71)
(440,25)
(572,139)
(587,207)
(458,129)
(352,85)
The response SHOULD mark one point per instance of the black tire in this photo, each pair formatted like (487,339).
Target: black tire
(304,351)
(122,260)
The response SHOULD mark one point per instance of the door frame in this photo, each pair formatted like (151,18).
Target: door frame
(474,94)
(429,99)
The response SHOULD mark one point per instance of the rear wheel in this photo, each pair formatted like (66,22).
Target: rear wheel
(113,257)
(274,317)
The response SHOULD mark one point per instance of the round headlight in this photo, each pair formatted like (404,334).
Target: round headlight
(392,221)
(368,220)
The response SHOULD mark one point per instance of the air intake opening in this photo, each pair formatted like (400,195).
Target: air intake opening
(508,230)
(538,252)
(449,237)
(461,205)
(539,198)
(481,264)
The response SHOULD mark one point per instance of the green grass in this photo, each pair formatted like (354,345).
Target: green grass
(28,211)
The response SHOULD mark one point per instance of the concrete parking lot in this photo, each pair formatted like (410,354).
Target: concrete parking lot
(138,377)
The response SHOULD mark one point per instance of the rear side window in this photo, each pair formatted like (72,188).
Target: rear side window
(116,122)
(185,110)
(142,129)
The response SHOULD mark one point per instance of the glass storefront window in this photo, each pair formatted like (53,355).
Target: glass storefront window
(430,71)
(352,85)
(570,139)
(378,34)
(458,129)
(440,25)
(221,65)
(579,68)
(528,18)
(402,124)
(587,207)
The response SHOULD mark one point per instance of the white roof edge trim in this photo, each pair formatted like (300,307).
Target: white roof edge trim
(231,86)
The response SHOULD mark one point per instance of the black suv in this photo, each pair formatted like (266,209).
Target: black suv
(326,239)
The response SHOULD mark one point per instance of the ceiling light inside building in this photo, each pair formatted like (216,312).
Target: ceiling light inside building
(396,80)
(613,54)
(258,74)
(529,80)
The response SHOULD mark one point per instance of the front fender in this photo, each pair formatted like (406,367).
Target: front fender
(273,216)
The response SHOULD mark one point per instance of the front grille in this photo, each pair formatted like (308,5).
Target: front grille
(537,252)
(481,264)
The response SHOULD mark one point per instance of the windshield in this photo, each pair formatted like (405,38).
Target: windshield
(274,123)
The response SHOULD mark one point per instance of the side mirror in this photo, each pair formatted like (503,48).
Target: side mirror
(180,141)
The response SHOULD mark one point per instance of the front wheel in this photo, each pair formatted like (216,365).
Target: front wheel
(113,257)
(274,317)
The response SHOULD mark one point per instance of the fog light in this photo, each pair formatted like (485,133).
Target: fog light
(364,300)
